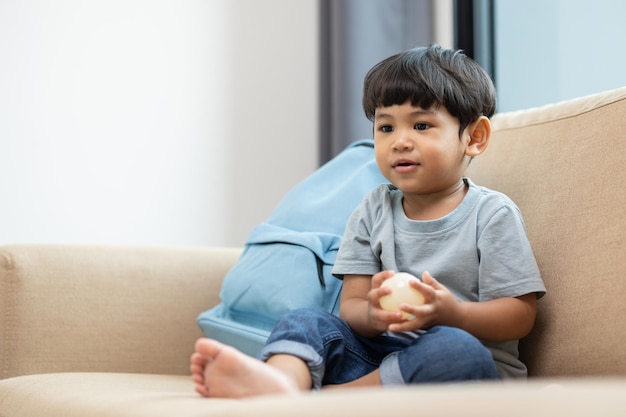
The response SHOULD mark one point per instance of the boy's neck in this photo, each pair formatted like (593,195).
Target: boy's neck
(434,206)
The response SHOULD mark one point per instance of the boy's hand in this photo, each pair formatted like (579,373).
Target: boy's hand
(380,319)
(440,307)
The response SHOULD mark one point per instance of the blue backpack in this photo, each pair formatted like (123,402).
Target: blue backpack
(287,260)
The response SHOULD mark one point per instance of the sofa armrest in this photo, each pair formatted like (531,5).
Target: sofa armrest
(104,309)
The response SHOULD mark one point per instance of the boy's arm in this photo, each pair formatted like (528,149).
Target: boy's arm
(360,304)
(501,319)
(507,318)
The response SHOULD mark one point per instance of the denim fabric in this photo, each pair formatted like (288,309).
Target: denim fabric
(335,354)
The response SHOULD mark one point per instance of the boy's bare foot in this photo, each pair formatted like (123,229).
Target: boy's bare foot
(224,372)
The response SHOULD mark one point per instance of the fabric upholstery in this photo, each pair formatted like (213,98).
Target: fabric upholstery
(114,395)
(565,166)
(115,309)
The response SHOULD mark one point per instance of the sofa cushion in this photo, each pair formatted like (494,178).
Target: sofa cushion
(90,308)
(139,395)
(565,166)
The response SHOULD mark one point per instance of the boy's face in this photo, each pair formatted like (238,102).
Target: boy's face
(419,150)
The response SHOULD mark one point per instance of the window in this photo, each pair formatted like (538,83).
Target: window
(544,51)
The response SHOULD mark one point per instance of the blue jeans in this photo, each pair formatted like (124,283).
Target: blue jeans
(335,354)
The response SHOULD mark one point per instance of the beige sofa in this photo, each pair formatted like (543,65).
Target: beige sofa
(107,331)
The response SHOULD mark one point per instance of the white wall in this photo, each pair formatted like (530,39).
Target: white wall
(160,122)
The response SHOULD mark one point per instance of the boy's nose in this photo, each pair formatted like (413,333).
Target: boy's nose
(402,142)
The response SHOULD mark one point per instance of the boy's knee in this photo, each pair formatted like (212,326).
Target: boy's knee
(304,315)
(471,357)
(447,354)
(304,320)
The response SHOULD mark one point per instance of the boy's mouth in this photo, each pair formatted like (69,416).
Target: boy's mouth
(404,163)
(405,166)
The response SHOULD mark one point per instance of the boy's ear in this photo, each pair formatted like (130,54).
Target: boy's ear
(479,135)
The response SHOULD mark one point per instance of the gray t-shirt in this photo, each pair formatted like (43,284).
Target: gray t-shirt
(479,251)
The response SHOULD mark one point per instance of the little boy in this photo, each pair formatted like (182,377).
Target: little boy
(430,108)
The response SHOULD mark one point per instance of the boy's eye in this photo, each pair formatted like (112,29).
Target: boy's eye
(386,129)
(421,126)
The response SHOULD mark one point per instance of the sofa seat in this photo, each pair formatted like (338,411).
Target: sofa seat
(108,394)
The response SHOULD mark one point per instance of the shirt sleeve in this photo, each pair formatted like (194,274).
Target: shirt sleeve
(356,253)
(507,265)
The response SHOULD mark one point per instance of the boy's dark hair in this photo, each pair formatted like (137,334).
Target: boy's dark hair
(431,76)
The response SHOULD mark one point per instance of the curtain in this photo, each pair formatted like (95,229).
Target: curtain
(355,35)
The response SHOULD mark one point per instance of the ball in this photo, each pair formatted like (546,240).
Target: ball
(401,293)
